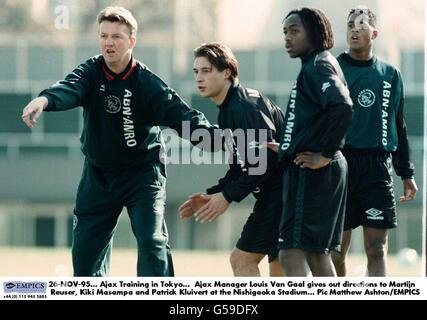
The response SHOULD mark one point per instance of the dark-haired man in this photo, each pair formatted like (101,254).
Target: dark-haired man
(376,139)
(248,112)
(315,177)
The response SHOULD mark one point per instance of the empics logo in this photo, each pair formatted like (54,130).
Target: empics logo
(10,285)
(24,287)
(374,214)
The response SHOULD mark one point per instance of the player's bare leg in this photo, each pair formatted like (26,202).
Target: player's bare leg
(276,269)
(376,251)
(293,262)
(245,264)
(339,258)
(321,264)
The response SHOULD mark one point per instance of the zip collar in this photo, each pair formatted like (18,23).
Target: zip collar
(231,90)
(308,56)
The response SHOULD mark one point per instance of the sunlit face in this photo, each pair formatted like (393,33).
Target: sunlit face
(360,34)
(211,82)
(116,44)
(297,43)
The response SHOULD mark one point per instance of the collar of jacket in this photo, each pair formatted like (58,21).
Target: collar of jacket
(358,63)
(110,75)
(233,88)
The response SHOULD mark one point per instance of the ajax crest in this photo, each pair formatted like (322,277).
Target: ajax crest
(112,104)
(366,98)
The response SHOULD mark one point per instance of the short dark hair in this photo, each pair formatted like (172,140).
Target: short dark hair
(121,15)
(317,26)
(220,56)
(363,9)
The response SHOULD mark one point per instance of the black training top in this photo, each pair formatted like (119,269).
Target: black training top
(319,108)
(244,109)
(121,112)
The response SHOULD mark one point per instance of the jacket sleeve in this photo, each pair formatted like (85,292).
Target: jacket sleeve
(238,189)
(258,164)
(169,110)
(229,176)
(335,100)
(70,92)
(402,164)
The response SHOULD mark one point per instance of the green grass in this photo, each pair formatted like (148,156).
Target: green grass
(19,261)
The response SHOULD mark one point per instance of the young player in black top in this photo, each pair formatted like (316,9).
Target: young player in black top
(123,104)
(315,177)
(248,112)
(376,139)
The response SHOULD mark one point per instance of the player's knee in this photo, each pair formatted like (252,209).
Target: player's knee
(338,258)
(376,250)
(282,258)
(239,260)
(150,241)
(235,260)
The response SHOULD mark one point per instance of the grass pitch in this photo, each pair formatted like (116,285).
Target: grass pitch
(50,262)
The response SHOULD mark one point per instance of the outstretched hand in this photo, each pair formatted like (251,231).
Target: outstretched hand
(204,207)
(211,210)
(194,203)
(33,111)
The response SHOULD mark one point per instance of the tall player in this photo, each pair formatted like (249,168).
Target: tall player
(315,177)
(376,140)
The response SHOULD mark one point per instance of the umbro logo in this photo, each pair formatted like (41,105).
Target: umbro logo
(171,93)
(374,214)
(252,93)
(75,221)
(102,88)
(325,86)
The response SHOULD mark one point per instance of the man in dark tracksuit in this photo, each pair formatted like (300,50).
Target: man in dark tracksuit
(249,115)
(376,138)
(315,177)
(123,104)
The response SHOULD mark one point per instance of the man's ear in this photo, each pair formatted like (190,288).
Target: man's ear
(132,40)
(227,73)
(374,34)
